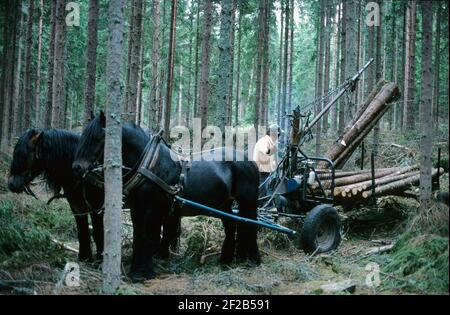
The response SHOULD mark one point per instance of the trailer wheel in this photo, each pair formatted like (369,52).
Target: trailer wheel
(321,231)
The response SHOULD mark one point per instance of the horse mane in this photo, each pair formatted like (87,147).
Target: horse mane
(57,153)
(136,130)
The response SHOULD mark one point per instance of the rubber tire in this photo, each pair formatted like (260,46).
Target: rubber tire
(311,227)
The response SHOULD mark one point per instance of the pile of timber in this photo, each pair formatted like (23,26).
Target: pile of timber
(356,186)
(368,114)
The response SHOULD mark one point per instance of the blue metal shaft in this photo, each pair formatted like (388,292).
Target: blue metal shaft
(235,217)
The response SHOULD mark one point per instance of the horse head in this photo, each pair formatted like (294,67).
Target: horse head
(89,153)
(26,164)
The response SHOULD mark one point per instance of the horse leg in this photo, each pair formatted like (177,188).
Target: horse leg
(146,239)
(97,233)
(84,239)
(247,246)
(229,244)
(136,273)
(176,233)
(171,233)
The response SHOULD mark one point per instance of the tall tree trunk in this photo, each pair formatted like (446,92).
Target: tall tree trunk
(50,68)
(342,108)
(247,87)
(180,96)
(16,111)
(319,72)
(408,108)
(156,57)
(390,46)
(224,64)
(238,72)
(8,71)
(280,65)
(139,104)
(37,102)
(327,74)
(378,75)
(113,148)
(134,58)
(66,102)
(437,65)
(131,23)
(336,64)
(58,88)
(265,68)
(359,91)
(189,89)
(206,60)
(91,60)
(259,61)
(197,46)
(371,71)
(283,120)
(162,77)
(351,58)
(351,51)
(426,94)
(230,84)
(27,77)
(4,63)
(401,49)
(291,63)
(170,65)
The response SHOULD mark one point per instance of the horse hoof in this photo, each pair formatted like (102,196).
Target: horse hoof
(163,254)
(97,264)
(254,262)
(226,261)
(255,259)
(140,276)
(85,258)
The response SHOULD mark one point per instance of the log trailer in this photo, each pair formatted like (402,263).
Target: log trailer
(303,187)
(296,189)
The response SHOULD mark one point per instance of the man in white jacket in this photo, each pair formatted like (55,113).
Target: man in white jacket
(264,153)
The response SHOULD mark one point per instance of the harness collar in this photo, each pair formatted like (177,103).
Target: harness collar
(144,170)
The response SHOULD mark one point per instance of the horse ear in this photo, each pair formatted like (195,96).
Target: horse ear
(102,119)
(37,135)
(92,115)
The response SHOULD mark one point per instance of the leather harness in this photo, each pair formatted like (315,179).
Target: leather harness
(144,171)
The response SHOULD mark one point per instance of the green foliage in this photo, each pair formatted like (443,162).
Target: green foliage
(420,262)
(204,234)
(28,230)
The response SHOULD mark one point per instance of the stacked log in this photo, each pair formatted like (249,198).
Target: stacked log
(368,115)
(357,188)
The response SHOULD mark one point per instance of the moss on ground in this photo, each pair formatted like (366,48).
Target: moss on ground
(419,262)
(28,228)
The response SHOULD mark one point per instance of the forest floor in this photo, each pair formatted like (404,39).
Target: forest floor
(32,261)
(32,257)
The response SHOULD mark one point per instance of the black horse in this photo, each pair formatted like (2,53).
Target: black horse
(215,184)
(51,152)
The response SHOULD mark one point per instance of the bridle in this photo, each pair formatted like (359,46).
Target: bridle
(29,178)
(142,170)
